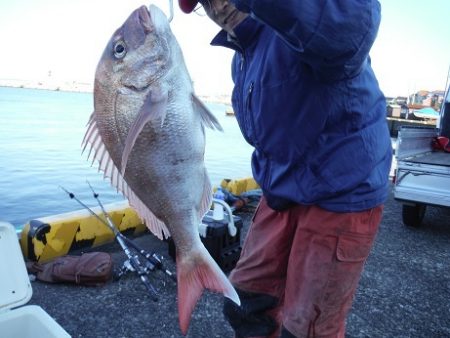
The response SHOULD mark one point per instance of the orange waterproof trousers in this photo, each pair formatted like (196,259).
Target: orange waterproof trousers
(309,260)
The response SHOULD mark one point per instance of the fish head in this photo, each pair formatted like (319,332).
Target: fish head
(133,78)
(138,53)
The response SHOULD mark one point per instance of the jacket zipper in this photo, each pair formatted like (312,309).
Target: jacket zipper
(243,102)
(250,120)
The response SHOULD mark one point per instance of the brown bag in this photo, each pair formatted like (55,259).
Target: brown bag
(92,268)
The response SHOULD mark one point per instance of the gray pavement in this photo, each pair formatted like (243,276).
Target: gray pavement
(404,291)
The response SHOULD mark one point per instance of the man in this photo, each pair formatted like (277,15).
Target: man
(306,98)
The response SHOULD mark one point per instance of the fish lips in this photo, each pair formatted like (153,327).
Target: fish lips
(144,18)
(136,28)
(151,18)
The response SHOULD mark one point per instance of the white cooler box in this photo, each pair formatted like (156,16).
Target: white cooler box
(17,321)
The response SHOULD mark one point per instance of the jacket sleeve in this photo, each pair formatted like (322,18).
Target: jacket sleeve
(333,36)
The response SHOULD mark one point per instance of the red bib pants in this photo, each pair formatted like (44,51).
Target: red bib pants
(310,260)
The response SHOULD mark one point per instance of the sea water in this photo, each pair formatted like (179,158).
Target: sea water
(40,152)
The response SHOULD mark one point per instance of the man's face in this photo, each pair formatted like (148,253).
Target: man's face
(223,13)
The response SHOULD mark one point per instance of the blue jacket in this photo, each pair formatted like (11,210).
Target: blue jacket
(306,98)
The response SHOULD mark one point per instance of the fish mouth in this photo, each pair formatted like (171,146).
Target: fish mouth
(156,17)
(145,19)
(152,21)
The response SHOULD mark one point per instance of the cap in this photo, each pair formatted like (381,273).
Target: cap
(187,6)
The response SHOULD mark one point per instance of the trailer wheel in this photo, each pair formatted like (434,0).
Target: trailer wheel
(413,214)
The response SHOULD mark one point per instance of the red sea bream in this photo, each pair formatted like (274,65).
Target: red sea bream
(147,134)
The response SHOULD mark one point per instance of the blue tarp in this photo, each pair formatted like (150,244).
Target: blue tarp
(427,112)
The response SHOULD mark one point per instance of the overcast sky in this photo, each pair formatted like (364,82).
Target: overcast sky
(412,51)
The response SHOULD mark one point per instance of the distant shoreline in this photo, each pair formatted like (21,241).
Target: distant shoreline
(73,86)
(79,87)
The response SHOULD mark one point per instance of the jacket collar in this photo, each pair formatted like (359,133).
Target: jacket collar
(246,34)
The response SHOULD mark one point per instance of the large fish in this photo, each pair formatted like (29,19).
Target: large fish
(147,133)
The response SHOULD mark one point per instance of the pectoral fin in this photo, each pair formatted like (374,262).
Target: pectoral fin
(208,119)
(154,107)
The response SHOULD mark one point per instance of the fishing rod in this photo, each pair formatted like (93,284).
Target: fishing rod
(133,260)
(152,258)
(133,263)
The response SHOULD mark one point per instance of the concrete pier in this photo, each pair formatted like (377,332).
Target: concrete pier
(404,291)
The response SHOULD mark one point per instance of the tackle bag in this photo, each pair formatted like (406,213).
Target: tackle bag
(92,269)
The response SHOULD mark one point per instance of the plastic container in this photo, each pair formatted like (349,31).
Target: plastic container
(16,321)
(218,212)
(224,248)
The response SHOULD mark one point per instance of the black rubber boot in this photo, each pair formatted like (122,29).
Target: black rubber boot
(286,334)
(250,319)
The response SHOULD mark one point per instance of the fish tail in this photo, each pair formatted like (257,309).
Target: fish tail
(196,273)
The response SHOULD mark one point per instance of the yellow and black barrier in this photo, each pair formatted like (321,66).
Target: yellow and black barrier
(49,237)
(239,186)
(46,238)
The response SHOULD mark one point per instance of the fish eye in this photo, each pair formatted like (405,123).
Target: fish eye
(120,49)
